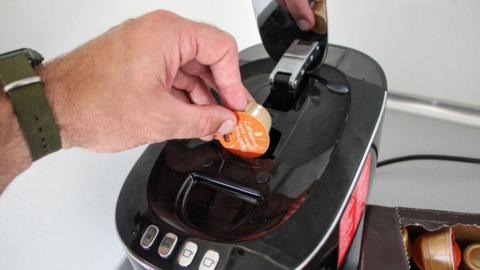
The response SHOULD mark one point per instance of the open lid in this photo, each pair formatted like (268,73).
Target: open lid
(278,29)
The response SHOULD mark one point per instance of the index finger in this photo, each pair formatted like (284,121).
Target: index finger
(218,50)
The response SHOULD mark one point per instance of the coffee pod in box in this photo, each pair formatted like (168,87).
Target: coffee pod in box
(406,242)
(250,137)
(437,251)
(471,257)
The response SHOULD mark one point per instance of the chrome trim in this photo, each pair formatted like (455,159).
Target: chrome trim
(22,82)
(427,107)
(144,263)
(350,191)
(295,61)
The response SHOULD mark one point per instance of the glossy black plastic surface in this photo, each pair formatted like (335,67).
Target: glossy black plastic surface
(275,212)
(224,201)
(278,30)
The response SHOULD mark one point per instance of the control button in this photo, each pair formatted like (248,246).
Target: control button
(187,253)
(149,236)
(167,245)
(210,260)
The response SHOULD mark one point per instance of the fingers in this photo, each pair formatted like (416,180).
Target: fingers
(207,138)
(302,13)
(196,69)
(204,121)
(218,50)
(195,87)
(180,95)
(282,4)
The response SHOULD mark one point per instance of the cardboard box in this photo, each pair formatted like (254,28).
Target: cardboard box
(382,243)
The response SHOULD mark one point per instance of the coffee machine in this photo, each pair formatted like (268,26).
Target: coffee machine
(190,204)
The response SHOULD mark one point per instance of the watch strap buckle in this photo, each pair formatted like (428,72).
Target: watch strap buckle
(22,82)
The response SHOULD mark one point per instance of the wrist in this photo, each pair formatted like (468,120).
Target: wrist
(15,155)
(53,87)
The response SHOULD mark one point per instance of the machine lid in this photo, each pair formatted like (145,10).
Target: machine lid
(278,29)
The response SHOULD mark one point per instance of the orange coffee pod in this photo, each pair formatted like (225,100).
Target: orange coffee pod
(250,137)
(471,257)
(437,251)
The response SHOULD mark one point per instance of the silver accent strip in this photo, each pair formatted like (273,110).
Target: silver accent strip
(295,61)
(145,264)
(350,190)
(432,108)
(22,82)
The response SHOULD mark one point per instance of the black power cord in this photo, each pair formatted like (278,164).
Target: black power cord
(428,157)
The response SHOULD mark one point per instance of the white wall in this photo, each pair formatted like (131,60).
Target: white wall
(54,26)
(427,47)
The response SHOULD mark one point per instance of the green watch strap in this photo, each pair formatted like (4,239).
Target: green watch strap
(31,106)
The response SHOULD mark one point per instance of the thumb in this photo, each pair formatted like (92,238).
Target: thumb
(206,120)
(302,12)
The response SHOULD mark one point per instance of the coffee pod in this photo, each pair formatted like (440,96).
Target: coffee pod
(260,113)
(471,257)
(406,242)
(437,251)
(250,137)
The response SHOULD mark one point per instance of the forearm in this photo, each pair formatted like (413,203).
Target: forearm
(14,153)
(145,81)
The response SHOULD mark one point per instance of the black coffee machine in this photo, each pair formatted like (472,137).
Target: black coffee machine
(189,204)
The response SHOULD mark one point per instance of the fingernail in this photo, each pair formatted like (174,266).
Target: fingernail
(226,127)
(207,138)
(304,25)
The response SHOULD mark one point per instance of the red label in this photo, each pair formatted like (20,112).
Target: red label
(353,212)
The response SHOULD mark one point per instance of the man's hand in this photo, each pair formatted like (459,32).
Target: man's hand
(146,81)
(300,11)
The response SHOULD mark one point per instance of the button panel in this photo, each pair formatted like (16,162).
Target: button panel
(149,236)
(187,253)
(209,260)
(167,245)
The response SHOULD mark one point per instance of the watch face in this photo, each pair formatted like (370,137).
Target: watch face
(34,57)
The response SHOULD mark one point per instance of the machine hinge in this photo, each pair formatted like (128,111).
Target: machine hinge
(291,67)
(288,73)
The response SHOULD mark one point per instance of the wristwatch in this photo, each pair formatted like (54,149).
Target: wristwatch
(25,90)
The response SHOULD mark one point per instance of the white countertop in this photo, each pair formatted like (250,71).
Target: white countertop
(60,213)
